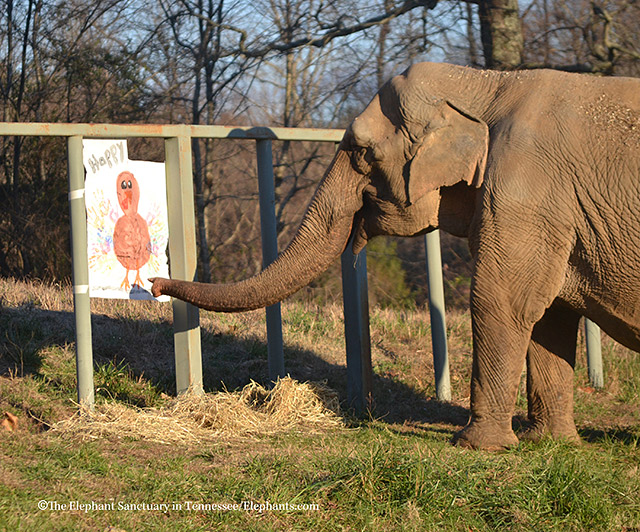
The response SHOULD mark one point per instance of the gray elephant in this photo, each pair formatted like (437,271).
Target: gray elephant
(540,170)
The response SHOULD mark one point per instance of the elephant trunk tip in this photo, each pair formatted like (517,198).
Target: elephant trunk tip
(156,286)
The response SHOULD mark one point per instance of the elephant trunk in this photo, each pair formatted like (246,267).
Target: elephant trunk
(320,239)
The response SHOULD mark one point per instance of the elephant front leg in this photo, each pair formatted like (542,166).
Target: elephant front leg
(519,270)
(550,364)
(500,346)
(510,294)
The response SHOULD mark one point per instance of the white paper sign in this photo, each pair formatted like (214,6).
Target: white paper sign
(127,225)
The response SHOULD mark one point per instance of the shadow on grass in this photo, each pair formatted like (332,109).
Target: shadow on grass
(145,349)
(25,332)
(614,435)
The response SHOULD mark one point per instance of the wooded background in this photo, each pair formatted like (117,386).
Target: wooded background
(292,63)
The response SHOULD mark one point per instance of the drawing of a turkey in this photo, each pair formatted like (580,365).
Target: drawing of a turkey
(131,241)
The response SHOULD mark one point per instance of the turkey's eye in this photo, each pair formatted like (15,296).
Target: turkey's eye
(123,185)
(129,184)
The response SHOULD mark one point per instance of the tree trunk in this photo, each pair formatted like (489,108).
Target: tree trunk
(471,40)
(501,32)
(381,58)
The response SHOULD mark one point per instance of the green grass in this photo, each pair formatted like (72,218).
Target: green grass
(368,479)
(393,471)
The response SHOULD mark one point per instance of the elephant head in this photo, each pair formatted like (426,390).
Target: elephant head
(408,164)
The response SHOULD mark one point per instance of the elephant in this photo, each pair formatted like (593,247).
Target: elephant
(540,170)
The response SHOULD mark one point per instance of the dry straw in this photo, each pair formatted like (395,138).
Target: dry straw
(249,413)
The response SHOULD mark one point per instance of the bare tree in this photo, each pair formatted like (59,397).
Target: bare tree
(59,64)
(584,36)
(199,30)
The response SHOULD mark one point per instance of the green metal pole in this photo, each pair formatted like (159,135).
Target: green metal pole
(183,260)
(594,353)
(436,309)
(80,265)
(356,329)
(269,234)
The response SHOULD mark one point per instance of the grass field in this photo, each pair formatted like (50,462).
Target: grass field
(154,469)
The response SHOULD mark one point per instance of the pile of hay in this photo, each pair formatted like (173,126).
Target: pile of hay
(249,413)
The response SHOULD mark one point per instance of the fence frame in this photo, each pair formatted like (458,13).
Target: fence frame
(182,247)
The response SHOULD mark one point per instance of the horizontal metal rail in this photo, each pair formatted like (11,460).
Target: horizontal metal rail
(35,129)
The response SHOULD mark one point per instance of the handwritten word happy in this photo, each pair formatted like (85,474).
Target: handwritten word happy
(112,156)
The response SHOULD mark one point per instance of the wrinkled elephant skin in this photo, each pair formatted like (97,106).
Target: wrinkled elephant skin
(540,170)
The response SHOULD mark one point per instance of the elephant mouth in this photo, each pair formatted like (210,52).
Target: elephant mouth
(359,235)
(384,217)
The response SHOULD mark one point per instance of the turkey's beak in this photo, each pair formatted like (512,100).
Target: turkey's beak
(127,200)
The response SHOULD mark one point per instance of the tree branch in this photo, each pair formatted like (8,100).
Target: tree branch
(332,31)
(607,41)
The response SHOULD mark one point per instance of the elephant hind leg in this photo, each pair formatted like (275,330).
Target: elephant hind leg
(550,363)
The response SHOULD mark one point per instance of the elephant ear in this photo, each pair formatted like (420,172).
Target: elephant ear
(453,149)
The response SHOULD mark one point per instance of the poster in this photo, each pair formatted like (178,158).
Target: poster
(127,227)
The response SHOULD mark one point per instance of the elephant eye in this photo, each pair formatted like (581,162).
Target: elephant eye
(123,185)
(129,184)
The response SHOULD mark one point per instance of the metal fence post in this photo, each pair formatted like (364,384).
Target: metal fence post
(356,329)
(80,265)
(436,310)
(269,234)
(182,252)
(594,353)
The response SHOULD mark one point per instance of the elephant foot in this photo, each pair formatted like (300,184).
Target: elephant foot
(485,435)
(551,429)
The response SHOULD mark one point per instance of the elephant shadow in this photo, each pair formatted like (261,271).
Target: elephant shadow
(144,348)
(618,435)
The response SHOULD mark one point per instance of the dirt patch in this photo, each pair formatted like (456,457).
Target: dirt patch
(610,116)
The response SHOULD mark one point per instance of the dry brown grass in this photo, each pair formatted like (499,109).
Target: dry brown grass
(250,413)
(37,325)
